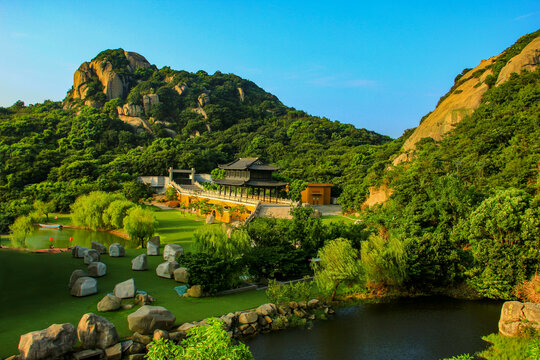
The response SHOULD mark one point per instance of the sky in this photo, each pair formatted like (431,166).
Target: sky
(376,65)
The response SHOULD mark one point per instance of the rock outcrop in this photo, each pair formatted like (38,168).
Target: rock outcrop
(467,96)
(114,83)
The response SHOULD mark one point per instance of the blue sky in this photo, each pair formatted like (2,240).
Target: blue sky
(378,65)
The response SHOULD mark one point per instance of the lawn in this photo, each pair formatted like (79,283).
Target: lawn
(35,293)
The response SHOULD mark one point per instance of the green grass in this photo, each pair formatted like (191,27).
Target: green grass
(35,293)
(510,348)
(327,219)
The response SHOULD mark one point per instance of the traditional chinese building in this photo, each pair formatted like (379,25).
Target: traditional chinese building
(250,177)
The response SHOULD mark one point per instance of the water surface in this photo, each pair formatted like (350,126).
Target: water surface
(426,328)
(40,238)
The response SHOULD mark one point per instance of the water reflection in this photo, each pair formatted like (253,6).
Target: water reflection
(431,328)
(40,238)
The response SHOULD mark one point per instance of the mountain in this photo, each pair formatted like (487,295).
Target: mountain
(469,87)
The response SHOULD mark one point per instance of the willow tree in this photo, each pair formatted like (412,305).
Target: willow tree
(140,224)
(339,263)
(20,229)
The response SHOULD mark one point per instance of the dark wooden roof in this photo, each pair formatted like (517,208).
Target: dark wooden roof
(254,183)
(248,164)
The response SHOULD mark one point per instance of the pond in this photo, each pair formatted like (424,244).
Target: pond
(40,238)
(426,328)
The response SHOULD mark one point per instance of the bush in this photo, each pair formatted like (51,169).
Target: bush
(277,262)
(282,293)
(213,273)
(529,291)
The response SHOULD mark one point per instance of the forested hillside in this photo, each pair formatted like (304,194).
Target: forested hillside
(57,151)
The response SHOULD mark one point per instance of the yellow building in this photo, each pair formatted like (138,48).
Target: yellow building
(317,194)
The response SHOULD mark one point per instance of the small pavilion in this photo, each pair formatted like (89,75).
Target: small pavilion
(247,174)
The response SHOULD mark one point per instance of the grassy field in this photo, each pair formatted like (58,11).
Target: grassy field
(35,293)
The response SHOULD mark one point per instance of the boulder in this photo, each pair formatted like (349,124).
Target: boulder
(116,250)
(141,339)
(210,219)
(88,354)
(95,331)
(195,291)
(160,334)
(91,256)
(125,289)
(139,263)
(99,247)
(516,317)
(181,275)
(313,303)
(150,100)
(76,274)
(266,309)
(78,251)
(51,343)
(109,303)
(166,269)
(172,251)
(248,317)
(114,352)
(149,318)
(143,299)
(84,286)
(97,269)
(152,246)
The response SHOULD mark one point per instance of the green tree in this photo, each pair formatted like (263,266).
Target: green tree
(504,234)
(384,261)
(339,263)
(20,229)
(135,190)
(215,240)
(87,210)
(44,208)
(140,224)
(113,216)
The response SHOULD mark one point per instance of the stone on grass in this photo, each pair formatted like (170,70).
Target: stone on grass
(181,275)
(149,318)
(78,251)
(84,286)
(210,219)
(125,289)
(95,331)
(76,274)
(109,303)
(152,246)
(195,291)
(166,269)
(97,269)
(102,249)
(172,251)
(116,250)
(139,263)
(91,256)
(51,343)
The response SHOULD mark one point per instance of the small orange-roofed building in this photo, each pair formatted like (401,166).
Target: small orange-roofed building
(317,194)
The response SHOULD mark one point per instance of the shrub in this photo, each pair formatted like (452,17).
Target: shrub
(529,291)
(282,293)
(277,262)
(213,273)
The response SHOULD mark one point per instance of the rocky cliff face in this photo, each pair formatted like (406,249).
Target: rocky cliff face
(114,81)
(466,95)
